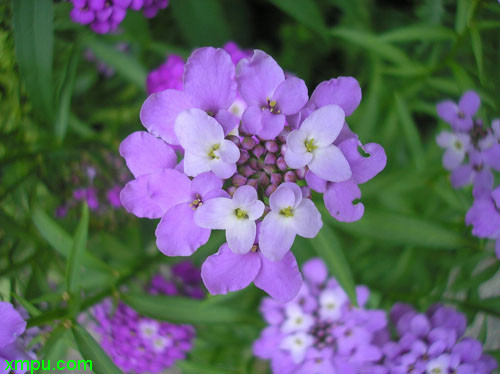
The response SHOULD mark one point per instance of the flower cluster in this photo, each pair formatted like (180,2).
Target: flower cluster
(472,152)
(253,145)
(104,16)
(433,343)
(320,331)
(14,338)
(138,344)
(91,184)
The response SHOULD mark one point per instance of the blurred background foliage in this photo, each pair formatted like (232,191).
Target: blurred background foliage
(56,110)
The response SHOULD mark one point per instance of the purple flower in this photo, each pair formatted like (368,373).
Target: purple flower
(460,116)
(456,145)
(290,215)
(270,97)
(236,53)
(167,76)
(237,216)
(113,196)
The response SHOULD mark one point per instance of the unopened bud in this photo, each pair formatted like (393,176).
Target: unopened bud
(263,179)
(254,164)
(230,190)
(239,180)
(269,190)
(244,156)
(270,159)
(306,192)
(246,171)
(283,149)
(269,169)
(234,139)
(258,150)
(272,146)
(290,177)
(248,143)
(253,182)
(301,173)
(281,164)
(276,179)
(283,135)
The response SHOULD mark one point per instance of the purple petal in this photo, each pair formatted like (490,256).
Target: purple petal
(469,103)
(209,79)
(244,196)
(145,154)
(496,196)
(169,187)
(420,325)
(241,235)
(258,78)
(177,234)
(268,342)
(469,350)
(135,199)
(272,125)
(324,125)
(159,111)
(204,183)
(251,121)
(445,138)
(307,219)
(315,182)
(226,271)
(447,111)
(484,217)
(280,279)
(291,95)
(297,160)
(217,213)
(283,197)
(363,168)
(330,164)
(342,91)
(339,198)
(276,236)
(13,324)
(229,152)
(483,182)
(462,176)
(223,169)
(227,120)
(491,157)
(315,271)
(452,158)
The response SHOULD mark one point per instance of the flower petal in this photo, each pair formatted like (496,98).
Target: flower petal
(209,79)
(462,176)
(297,160)
(222,169)
(241,235)
(324,125)
(159,111)
(272,125)
(227,120)
(342,91)
(491,157)
(229,151)
(283,197)
(452,158)
(258,77)
(445,139)
(296,141)
(251,120)
(330,164)
(339,199)
(244,196)
(447,111)
(145,153)
(169,187)
(316,183)
(217,213)
(226,271)
(363,168)
(276,236)
(194,164)
(280,279)
(315,271)
(13,324)
(307,219)
(177,234)
(469,103)
(291,95)
(205,183)
(135,199)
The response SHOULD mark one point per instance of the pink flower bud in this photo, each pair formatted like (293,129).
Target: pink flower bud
(246,171)
(230,190)
(290,177)
(276,179)
(269,169)
(234,139)
(283,149)
(248,143)
(244,156)
(253,182)
(263,179)
(270,159)
(258,150)
(281,164)
(272,146)
(239,180)
(269,190)
(301,173)
(254,164)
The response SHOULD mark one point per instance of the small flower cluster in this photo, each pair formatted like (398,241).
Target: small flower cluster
(320,331)
(253,145)
(14,338)
(104,16)
(472,152)
(138,344)
(433,343)
(91,184)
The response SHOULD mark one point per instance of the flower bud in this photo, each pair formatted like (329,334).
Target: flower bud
(267,209)
(234,139)
(301,173)
(283,135)
(254,164)
(239,180)
(283,149)
(290,177)
(276,179)
(269,169)
(263,179)
(269,190)
(246,171)
(258,150)
(253,182)
(244,156)
(270,159)
(271,146)
(281,164)
(230,190)
(306,191)
(248,143)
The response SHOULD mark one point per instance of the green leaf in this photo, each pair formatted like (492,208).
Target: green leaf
(188,367)
(201,22)
(34,42)
(418,33)
(78,249)
(184,310)
(91,350)
(54,347)
(63,110)
(328,247)
(372,43)
(410,132)
(401,229)
(304,11)
(461,15)
(477,48)
(124,64)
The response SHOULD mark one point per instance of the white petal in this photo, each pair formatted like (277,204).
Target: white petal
(228,151)
(324,125)
(217,213)
(297,160)
(276,236)
(330,164)
(241,235)
(195,164)
(307,219)
(296,141)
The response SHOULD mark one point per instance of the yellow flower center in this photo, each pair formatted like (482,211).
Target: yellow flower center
(310,146)
(287,212)
(211,153)
(240,213)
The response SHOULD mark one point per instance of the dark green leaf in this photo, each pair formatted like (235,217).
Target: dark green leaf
(418,33)
(477,48)
(78,249)
(304,11)
(410,132)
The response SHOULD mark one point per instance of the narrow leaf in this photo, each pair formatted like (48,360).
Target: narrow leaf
(410,132)
(304,11)
(418,33)
(91,350)
(477,48)
(78,249)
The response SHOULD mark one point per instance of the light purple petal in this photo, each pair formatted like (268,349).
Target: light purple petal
(496,196)
(491,157)
(297,160)
(205,183)
(452,158)
(276,236)
(226,271)
(469,103)
(209,79)
(315,271)
(330,164)
(296,141)
(324,125)
(194,164)
(229,152)
(272,125)
(145,153)
(484,217)
(280,279)
(258,77)
(227,120)
(363,168)
(316,183)
(291,95)
(244,196)
(197,131)
(307,219)
(241,235)
(251,121)
(483,182)
(462,176)
(283,197)
(223,169)
(159,111)
(217,213)
(12,326)
(169,187)
(135,199)
(445,138)
(177,234)
(447,111)
(342,91)
(268,342)
(339,199)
